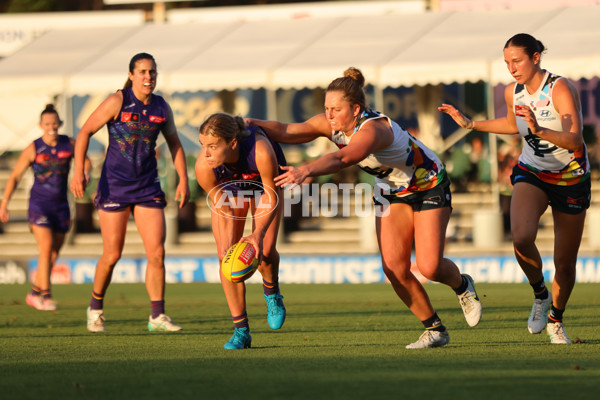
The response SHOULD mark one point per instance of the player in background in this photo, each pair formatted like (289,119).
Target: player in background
(129,184)
(237,167)
(49,215)
(553,170)
(416,208)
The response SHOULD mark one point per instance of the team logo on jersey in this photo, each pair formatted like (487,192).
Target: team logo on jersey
(156,119)
(539,149)
(64,154)
(252,176)
(40,158)
(144,112)
(127,117)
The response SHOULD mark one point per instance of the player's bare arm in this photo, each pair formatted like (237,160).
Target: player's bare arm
(296,133)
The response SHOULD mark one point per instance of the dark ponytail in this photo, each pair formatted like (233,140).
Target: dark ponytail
(530,44)
(49,110)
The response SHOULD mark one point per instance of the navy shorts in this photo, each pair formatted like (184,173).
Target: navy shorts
(431,199)
(57,218)
(572,199)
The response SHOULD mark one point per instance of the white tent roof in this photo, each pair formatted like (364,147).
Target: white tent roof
(572,37)
(392,49)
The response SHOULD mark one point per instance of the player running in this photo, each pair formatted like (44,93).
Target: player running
(553,170)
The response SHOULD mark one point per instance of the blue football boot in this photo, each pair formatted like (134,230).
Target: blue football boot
(241,339)
(275,310)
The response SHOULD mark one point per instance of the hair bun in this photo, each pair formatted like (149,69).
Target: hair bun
(49,107)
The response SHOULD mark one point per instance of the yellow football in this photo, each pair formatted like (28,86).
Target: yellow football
(240,262)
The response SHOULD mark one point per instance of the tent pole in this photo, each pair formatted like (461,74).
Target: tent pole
(271,104)
(493,142)
(378,98)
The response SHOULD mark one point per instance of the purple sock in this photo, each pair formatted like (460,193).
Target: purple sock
(241,321)
(270,288)
(97,302)
(158,307)
(36,291)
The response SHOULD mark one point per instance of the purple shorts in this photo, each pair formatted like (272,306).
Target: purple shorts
(106,204)
(57,218)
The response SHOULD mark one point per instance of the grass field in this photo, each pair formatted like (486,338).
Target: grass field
(339,342)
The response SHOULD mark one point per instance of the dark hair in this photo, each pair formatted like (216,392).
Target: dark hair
(49,110)
(527,42)
(224,126)
(351,84)
(133,61)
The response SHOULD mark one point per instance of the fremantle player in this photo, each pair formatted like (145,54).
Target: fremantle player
(129,184)
(237,167)
(49,215)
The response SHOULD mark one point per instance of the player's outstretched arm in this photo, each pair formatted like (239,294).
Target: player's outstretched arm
(296,133)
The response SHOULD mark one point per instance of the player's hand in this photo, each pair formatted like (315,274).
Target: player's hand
(256,241)
(4,215)
(182,194)
(78,184)
(251,122)
(292,177)
(457,116)
(527,114)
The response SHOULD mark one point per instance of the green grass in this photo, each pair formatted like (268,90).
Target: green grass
(339,342)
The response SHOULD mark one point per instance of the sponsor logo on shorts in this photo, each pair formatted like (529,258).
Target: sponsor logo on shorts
(434,201)
(111,205)
(574,203)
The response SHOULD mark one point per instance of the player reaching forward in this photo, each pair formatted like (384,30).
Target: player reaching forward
(417,208)
(239,162)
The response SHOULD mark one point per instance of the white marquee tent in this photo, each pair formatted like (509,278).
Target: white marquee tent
(394,49)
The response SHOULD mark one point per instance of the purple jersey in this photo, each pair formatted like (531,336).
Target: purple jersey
(129,173)
(51,170)
(48,204)
(245,169)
